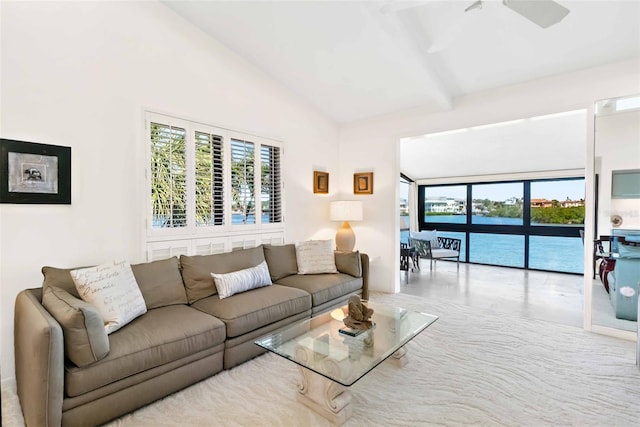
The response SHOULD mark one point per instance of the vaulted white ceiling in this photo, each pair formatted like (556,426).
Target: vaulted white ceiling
(360,59)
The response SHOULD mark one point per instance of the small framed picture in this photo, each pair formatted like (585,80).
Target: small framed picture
(34,173)
(320,182)
(363,183)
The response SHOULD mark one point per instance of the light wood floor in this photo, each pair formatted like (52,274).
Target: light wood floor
(553,297)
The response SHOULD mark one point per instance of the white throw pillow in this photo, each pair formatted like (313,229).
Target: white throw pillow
(431,236)
(242,280)
(112,289)
(315,257)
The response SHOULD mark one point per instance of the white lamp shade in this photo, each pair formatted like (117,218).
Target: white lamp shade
(345,211)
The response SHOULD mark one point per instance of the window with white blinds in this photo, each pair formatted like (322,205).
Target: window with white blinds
(243,182)
(168,176)
(204,180)
(209,185)
(270,196)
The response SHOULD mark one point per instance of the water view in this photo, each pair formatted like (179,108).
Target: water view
(557,204)
(563,254)
(236,219)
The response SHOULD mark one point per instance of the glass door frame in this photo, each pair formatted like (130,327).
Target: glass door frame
(526,229)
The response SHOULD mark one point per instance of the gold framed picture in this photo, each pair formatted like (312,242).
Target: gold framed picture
(320,182)
(363,183)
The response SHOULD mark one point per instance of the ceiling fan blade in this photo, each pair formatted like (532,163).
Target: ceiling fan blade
(544,13)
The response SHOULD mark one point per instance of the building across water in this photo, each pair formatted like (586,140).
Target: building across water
(445,205)
(544,203)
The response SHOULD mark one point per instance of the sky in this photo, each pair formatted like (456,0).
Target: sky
(550,190)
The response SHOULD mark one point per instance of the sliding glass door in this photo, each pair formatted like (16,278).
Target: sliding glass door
(533,224)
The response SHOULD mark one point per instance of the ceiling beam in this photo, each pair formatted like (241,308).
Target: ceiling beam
(416,37)
(407,28)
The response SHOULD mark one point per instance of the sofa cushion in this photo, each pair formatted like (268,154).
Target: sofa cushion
(248,311)
(61,278)
(229,284)
(349,263)
(197,269)
(160,282)
(444,253)
(324,287)
(281,260)
(160,336)
(315,257)
(113,290)
(85,339)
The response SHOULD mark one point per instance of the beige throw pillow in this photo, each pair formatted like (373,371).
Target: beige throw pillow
(241,281)
(113,290)
(85,339)
(315,257)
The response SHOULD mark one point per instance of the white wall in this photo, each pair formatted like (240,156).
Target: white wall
(617,147)
(541,144)
(80,74)
(373,144)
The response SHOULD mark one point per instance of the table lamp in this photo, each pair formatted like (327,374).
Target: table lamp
(345,211)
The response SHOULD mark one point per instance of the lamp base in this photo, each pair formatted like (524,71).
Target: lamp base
(345,238)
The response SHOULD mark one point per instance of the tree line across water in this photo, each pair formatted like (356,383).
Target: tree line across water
(548,215)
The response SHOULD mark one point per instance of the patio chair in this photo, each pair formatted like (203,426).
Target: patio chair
(430,246)
(408,257)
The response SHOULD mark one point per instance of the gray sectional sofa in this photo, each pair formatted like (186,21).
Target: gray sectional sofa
(66,377)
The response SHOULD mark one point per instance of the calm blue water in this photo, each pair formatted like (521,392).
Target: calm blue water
(563,254)
(235,219)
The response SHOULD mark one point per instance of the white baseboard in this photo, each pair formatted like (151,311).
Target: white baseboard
(618,333)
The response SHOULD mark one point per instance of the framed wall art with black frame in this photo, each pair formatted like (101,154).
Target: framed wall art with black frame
(32,173)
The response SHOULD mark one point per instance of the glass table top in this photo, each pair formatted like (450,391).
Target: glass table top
(317,344)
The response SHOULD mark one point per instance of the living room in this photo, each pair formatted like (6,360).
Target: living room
(83,74)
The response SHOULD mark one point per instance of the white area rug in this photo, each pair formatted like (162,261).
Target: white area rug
(472,367)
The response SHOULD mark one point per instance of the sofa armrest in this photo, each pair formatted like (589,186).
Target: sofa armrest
(364,258)
(39,358)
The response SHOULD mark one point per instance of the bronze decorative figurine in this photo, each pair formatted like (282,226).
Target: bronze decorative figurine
(359,314)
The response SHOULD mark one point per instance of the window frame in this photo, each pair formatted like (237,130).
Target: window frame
(192,230)
(526,229)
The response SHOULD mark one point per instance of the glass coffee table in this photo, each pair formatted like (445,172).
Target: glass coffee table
(330,361)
